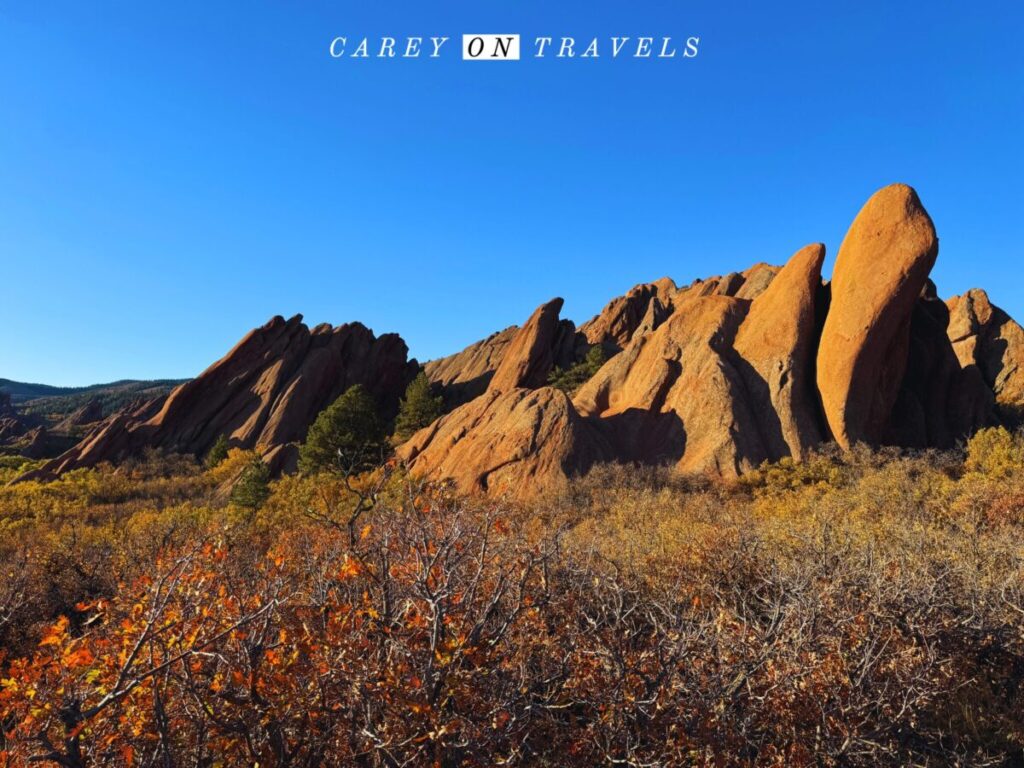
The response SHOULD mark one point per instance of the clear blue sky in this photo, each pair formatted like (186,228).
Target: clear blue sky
(173,174)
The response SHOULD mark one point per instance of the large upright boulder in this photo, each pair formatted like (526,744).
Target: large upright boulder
(776,347)
(543,342)
(880,271)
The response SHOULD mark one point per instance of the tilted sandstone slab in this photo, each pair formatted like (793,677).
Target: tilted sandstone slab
(263,394)
(543,342)
(880,271)
(642,309)
(467,374)
(724,384)
(756,280)
(90,413)
(939,402)
(517,443)
(677,395)
(776,345)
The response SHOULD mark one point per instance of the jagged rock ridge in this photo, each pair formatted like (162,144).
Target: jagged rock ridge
(715,377)
(728,372)
(262,395)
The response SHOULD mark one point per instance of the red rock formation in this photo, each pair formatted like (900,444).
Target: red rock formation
(543,342)
(34,445)
(987,339)
(90,413)
(516,443)
(714,378)
(756,280)
(466,374)
(676,394)
(733,374)
(262,395)
(880,271)
(777,343)
(644,307)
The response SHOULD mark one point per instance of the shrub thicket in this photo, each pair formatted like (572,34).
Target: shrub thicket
(855,609)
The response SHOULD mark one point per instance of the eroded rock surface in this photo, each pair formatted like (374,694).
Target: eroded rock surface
(262,395)
(466,374)
(642,309)
(543,342)
(880,271)
(984,337)
(517,443)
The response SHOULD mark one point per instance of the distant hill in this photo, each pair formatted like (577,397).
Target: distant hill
(56,402)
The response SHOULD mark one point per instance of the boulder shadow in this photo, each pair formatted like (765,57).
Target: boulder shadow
(643,436)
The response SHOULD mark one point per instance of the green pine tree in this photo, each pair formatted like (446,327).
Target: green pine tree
(348,436)
(253,486)
(419,408)
(218,452)
(571,379)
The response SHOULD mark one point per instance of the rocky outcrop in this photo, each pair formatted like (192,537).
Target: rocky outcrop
(88,414)
(880,271)
(641,310)
(989,341)
(262,395)
(723,384)
(713,378)
(939,401)
(516,443)
(731,371)
(543,342)
(676,394)
(756,280)
(466,374)
(34,444)
(12,426)
(776,346)
(748,284)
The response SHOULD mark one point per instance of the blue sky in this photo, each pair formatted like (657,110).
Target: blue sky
(173,174)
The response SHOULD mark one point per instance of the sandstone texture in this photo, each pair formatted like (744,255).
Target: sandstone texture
(640,310)
(466,374)
(516,443)
(262,395)
(712,378)
(543,342)
(988,340)
(879,274)
(776,345)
